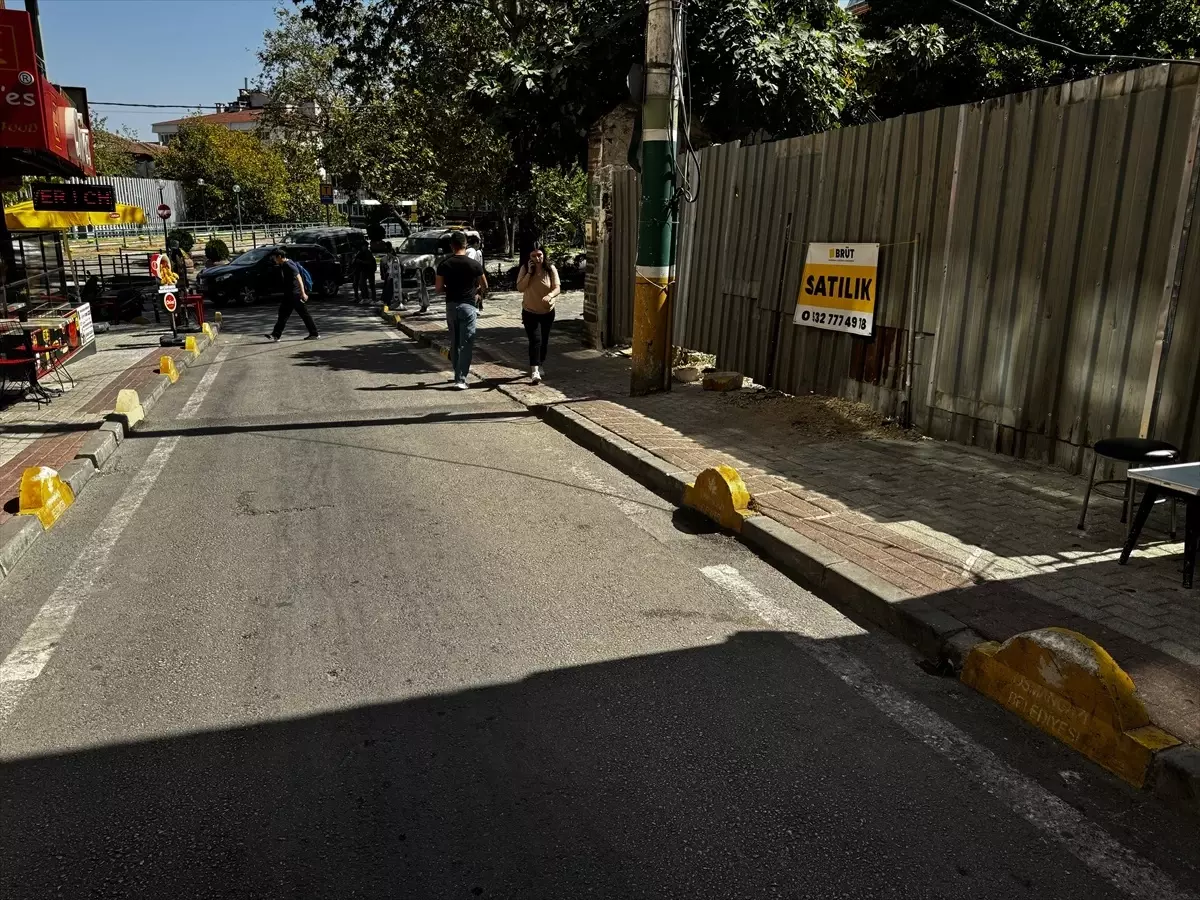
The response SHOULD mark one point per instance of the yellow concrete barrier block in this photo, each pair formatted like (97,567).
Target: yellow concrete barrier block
(1068,686)
(189,344)
(44,494)
(386,309)
(166,366)
(207,330)
(220,318)
(129,405)
(721,495)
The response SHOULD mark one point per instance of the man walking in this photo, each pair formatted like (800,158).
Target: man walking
(295,297)
(463,282)
(365,267)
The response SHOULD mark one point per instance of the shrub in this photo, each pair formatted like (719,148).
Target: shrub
(186,239)
(215,250)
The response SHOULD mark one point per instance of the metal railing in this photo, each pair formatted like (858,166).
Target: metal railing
(239,239)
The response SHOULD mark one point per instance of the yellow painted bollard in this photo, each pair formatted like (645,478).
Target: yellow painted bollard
(166,366)
(207,329)
(189,344)
(44,494)
(1068,686)
(721,495)
(129,405)
(220,318)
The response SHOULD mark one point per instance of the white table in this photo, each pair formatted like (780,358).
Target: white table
(1181,481)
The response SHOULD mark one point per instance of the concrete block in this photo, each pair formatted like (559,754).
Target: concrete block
(1069,687)
(1175,777)
(723,381)
(44,494)
(114,427)
(98,447)
(721,495)
(16,536)
(166,366)
(129,408)
(77,473)
(687,374)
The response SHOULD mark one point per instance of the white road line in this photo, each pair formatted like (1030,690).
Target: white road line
(29,657)
(193,404)
(634,511)
(1057,819)
(27,660)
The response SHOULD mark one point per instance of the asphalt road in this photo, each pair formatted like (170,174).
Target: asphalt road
(325,628)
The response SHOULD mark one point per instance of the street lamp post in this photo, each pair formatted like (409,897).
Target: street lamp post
(237,193)
(200,185)
(321,174)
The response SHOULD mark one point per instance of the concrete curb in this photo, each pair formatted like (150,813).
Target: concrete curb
(20,532)
(1174,774)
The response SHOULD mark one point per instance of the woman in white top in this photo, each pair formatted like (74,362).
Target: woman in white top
(539,286)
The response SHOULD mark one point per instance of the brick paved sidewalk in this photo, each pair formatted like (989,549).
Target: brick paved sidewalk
(987,539)
(51,435)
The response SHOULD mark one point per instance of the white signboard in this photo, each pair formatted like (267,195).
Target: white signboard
(87,333)
(837,289)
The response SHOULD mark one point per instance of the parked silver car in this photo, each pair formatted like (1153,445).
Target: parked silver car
(418,259)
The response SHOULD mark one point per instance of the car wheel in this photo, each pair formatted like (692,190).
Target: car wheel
(329,288)
(247,296)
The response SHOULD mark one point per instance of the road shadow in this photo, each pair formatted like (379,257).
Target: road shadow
(715,771)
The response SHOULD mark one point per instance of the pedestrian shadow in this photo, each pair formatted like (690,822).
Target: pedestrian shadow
(381,357)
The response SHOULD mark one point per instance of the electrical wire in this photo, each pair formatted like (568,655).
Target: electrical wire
(1108,57)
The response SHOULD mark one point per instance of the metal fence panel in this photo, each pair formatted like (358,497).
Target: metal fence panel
(1025,320)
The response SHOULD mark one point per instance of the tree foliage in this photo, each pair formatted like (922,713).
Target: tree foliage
(111,152)
(270,192)
(980,60)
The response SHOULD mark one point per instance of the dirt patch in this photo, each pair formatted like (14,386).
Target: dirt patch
(819,418)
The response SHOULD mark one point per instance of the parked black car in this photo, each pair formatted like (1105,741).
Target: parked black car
(254,276)
(342,242)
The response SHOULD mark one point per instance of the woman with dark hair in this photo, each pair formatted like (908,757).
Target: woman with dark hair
(539,286)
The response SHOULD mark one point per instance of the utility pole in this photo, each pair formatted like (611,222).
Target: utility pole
(656,236)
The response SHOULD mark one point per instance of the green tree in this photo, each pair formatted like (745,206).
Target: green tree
(111,151)
(981,60)
(223,158)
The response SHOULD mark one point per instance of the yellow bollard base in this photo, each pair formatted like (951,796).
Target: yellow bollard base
(44,494)
(1068,686)
(166,366)
(721,495)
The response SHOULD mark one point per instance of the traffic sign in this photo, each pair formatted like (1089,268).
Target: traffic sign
(326,193)
(164,211)
(169,302)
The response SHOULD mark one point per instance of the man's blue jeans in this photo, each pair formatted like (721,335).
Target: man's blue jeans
(460,319)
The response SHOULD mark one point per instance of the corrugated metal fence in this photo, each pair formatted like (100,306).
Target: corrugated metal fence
(1031,246)
(143,192)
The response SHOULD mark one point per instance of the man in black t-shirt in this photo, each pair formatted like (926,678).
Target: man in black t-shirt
(295,297)
(463,282)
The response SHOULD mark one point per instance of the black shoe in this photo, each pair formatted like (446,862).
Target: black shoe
(272,338)
(313,336)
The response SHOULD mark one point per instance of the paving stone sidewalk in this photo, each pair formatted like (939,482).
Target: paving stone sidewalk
(52,433)
(988,539)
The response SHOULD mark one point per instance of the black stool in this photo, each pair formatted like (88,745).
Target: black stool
(1132,452)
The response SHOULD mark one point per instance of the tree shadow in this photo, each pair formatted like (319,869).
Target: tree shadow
(713,771)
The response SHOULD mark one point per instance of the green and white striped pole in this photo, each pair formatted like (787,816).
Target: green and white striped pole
(656,235)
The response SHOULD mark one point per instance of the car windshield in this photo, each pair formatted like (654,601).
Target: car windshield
(421,245)
(251,257)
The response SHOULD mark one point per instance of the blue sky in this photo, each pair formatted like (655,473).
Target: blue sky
(153,51)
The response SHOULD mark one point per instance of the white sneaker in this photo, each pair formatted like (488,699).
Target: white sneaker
(402,308)
(460,385)
(536,375)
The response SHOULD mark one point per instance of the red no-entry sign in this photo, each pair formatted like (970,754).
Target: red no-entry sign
(169,302)
(164,211)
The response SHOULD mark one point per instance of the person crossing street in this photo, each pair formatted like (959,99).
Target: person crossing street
(295,297)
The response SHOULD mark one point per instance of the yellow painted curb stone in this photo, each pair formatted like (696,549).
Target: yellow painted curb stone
(207,329)
(721,495)
(129,405)
(189,344)
(220,318)
(44,494)
(166,366)
(1068,686)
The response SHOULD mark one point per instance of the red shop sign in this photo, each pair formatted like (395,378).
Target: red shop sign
(21,118)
